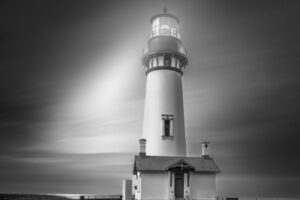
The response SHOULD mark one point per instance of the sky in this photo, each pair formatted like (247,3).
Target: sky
(72,93)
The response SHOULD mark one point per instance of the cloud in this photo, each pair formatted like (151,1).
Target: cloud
(40,169)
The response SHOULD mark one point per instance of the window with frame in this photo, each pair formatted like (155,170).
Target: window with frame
(177,63)
(154,64)
(167,61)
(150,63)
(155,27)
(167,126)
(173,62)
(160,61)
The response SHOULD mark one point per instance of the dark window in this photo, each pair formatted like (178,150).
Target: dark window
(167,127)
(167,61)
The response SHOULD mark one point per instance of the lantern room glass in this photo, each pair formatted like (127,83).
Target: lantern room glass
(165,25)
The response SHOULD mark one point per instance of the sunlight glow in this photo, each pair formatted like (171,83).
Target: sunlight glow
(98,113)
(106,89)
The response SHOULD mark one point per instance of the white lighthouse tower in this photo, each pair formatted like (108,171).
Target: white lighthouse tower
(164,60)
(162,170)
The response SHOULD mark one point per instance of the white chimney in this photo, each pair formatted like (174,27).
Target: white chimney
(143,147)
(205,149)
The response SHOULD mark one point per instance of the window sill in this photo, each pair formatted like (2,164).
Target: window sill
(167,137)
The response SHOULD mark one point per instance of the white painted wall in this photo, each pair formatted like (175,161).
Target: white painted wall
(186,191)
(171,193)
(155,186)
(136,185)
(164,96)
(202,186)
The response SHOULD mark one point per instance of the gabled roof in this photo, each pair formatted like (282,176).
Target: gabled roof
(164,163)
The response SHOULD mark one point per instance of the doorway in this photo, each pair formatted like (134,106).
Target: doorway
(179,185)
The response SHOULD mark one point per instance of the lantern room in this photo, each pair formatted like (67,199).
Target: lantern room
(164,48)
(165,24)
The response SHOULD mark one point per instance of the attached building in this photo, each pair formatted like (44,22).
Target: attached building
(165,177)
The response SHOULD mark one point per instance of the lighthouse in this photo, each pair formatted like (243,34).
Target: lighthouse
(164,60)
(162,170)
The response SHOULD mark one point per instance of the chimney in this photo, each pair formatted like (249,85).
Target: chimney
(143,147)
(205,149)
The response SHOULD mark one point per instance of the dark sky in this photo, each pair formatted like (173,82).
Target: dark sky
(72,92)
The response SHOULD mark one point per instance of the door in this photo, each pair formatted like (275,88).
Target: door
(179,185)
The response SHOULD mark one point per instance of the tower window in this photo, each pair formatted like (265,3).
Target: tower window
(154,62)
(155,27)
(167,61)
(160,61)
(177,64)
(164,26)
(150,63)
(173,32)
(167,126)
(173,62)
